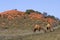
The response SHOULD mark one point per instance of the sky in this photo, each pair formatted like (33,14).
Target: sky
(52,7)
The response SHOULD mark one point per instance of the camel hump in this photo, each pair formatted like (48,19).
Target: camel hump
(36,26)
(48,25)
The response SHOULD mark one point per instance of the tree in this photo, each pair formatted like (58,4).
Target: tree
(29,11)
(15,9)
(45,14)
(51,16)
(57,18)
(38,12)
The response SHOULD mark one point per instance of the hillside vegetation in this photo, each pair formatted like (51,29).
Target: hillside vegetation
(24,20)
(17,24)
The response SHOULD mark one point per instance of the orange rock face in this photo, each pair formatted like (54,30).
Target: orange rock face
(11,14)
(36,16)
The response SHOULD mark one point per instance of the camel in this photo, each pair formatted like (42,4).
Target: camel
(49,27)
(38,27)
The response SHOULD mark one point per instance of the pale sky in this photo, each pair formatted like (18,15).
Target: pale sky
(52,7)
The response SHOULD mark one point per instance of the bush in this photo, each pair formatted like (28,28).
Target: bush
(45,14)
(38,12)
(51,16)
(29,11)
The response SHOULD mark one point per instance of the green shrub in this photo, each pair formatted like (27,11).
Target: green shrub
(29,11)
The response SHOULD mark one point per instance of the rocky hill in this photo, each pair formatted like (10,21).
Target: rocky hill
(11,19)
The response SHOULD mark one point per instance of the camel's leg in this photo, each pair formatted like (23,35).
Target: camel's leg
(39,29)
(35,30)
(51,29)
(45,30)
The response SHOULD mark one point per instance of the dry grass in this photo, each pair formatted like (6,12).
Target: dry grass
(44,36)
(29,35)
